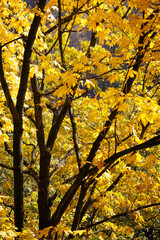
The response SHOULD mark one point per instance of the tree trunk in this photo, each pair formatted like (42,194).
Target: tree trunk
(43,193)
(18,175)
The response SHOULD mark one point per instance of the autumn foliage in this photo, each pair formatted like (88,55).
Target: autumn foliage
(80,119)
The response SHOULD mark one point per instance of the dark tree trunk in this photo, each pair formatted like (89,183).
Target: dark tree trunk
(18,175)
(43,193)
(43,186)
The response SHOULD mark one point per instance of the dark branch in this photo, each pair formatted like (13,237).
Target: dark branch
(6,166)
(30,171)
(120,215)
(7,149)
(60,35)
(6,91)
(92,44)
(66,19)
(51,92)
(11,41)
(57,124)
(75,138)
(26,60)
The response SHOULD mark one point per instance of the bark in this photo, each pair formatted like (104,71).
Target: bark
(17,151)
(43,193)
(26,59)
(17,139)
(75,137)
(18,175)
(45,153)
(77,216)
(67,198)
(43,186)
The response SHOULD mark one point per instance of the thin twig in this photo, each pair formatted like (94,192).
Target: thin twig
(5,44)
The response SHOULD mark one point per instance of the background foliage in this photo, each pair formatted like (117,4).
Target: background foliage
(80,79)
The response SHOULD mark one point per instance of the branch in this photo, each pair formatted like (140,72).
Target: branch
(92,44)
(85,172)
(141,52)
(32,153)
(126,89)
(57,124)
(100,138)
(51,47)
(77,215)
(6,91)
(125,15)
(66,19)
(124,139)
(38,115)
(75,138)
(67,199)
(120,215)
(6,166)
(51,199)
(56,167)
(32,174)
(60,34)
(147,144)
(29,116)
(58,38)
(103,74)
(88,202)
(9,206)
(26,59)
(52,91)
(11,41)
(115,182)
(117,7)
(94,33)
(150,17)
(7,149)
(69,32)
(30,171)
(109,161)
(82,95)
(144,128)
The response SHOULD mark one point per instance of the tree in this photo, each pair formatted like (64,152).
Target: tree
(94,159)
